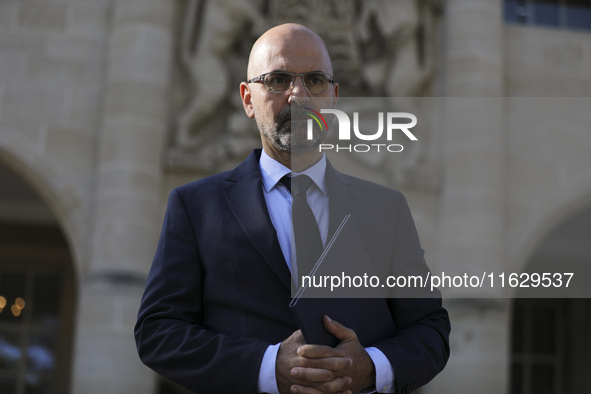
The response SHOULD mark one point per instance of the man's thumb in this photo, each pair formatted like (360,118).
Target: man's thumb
(337,329)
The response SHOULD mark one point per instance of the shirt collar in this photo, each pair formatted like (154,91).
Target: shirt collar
(272,171)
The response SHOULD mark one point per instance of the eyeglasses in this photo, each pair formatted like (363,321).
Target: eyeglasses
(282,81)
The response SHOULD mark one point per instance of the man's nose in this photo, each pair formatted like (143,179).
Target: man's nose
(298,92)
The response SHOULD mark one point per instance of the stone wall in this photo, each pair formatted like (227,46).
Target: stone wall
(51,74)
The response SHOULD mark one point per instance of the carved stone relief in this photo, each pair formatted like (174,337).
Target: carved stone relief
(379,48)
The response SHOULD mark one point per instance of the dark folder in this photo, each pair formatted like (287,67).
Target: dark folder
(363,309)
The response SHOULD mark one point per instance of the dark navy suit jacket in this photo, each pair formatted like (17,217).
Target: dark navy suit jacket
(219,288)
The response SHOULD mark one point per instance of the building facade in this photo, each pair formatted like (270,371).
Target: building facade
(107,105)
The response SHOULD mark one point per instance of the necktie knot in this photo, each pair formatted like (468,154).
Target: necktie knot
(297,185)
(286,181)
(300,185)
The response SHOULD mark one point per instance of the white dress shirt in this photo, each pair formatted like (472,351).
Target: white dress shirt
(278,200)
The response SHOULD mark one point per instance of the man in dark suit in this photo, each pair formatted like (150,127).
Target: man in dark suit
(215,315)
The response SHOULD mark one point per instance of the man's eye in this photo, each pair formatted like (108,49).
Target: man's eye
(315,79)
(278,79)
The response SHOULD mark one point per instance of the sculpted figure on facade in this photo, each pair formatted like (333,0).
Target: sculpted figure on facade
(213,42)
(379,49)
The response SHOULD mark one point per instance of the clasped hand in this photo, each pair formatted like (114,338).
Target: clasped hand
(314,369)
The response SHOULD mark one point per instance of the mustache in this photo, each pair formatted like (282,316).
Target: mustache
(295,111)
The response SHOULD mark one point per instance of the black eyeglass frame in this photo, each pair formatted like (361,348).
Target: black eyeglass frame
(261,79)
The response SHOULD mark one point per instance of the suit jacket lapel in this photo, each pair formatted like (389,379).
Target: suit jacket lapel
(344,198)
(244,195)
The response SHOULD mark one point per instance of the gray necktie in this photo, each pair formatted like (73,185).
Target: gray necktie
(306,234)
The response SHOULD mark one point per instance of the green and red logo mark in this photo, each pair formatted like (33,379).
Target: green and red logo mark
(315,115)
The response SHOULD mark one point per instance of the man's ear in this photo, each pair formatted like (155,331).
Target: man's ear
(336,94)
(246,97)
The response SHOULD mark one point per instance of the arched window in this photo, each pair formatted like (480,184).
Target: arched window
(550,337)
(36,294)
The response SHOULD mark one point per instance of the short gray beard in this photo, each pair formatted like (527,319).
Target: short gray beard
(281,139)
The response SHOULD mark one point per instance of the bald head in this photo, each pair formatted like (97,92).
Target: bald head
(279,46)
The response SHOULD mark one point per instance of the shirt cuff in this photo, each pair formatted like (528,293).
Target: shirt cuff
(267,382)
(384,370)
